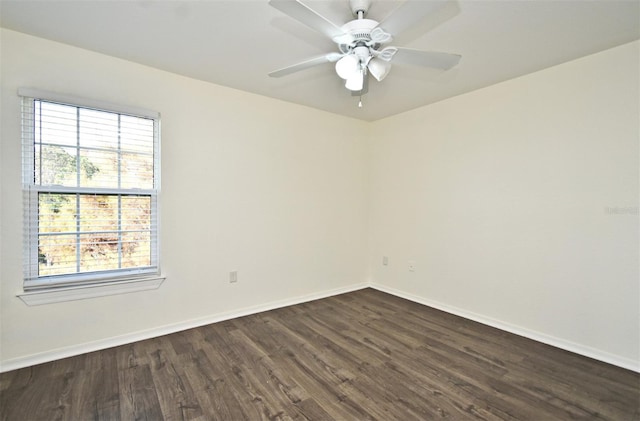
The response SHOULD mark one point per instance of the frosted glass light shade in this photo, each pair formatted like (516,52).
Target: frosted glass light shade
(379,68)
(347,66)
(355,82)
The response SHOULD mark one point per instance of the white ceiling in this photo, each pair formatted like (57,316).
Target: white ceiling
(236,43)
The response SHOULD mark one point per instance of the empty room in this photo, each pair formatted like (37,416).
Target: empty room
(319,210)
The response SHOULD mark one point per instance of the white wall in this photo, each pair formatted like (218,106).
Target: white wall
(273,190)
(519,205)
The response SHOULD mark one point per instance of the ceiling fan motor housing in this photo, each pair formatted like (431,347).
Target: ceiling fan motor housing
(359,30)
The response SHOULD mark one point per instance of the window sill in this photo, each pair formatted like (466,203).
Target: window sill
(58,295)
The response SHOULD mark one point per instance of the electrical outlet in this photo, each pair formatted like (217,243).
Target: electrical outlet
(412,266)
(385,261)
(233,276)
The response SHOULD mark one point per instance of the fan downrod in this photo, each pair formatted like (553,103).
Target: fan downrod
(359,7)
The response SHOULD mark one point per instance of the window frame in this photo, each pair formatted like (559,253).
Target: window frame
(33,282)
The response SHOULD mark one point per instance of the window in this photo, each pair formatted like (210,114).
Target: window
(91,181)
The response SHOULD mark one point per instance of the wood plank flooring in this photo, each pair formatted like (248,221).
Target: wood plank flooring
(365,355)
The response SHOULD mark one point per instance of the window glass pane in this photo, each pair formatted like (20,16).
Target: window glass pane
(57,213)
(137,171)
(136,213)
(98,212)
(56,166)
(136,134)
(99,168)
(56,124)
(136,249)
(98,129)
(99,251)
(56,254)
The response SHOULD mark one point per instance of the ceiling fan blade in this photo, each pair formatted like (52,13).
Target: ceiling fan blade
(435,59)
(408,14)
(306,15)
(327,58)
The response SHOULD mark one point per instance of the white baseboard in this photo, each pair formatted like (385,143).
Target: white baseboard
(586,351)
(70,351)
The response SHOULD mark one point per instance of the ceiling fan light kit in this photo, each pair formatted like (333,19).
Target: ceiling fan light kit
(347,66)
(360,40)
(355,82)
(379,69)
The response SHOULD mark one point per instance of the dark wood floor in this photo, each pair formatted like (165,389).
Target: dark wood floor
(358,356)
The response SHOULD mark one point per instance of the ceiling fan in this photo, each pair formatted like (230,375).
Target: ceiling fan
(361,41)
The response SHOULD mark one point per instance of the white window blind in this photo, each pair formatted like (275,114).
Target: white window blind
(91,182)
